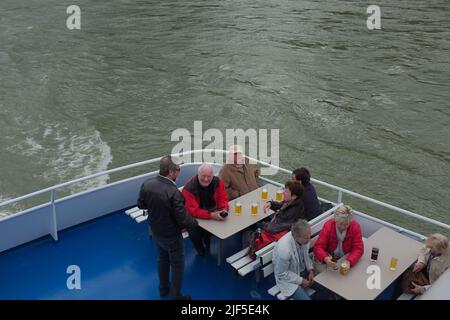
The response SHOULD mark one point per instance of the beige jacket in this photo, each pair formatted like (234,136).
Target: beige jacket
(438,264)
(239,181)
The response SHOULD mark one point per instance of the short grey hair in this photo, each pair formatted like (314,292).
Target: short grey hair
(300,228)
(205,166)
(343,214)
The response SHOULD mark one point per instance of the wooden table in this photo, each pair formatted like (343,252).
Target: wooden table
(236,223)
(353,286)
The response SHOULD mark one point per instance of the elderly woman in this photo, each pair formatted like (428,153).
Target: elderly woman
(433,260)
(339,237)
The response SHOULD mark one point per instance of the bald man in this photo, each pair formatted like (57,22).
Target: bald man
(205,197)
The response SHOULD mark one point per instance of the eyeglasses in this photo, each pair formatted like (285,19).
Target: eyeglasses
(177,169)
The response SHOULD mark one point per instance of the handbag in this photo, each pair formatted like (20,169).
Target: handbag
(409,277)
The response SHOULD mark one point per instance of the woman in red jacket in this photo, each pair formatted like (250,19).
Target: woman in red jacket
(340,236)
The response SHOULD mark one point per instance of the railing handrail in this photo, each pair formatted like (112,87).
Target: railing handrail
(138,164)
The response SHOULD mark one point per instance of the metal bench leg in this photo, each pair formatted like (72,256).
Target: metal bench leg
(257,275)
(220,252)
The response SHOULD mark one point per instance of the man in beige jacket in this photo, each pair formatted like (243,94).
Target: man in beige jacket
(238,176)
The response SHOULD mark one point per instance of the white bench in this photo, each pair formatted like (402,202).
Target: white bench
(242,263)
(137,214)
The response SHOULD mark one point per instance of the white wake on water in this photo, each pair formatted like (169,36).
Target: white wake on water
(79,155)
(55,153)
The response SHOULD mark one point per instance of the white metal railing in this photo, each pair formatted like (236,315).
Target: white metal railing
(340,191)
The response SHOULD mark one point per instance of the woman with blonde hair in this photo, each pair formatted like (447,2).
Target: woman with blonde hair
(433,260)
(340,237)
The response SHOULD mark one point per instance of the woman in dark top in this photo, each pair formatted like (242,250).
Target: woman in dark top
(286,213)
(309,197)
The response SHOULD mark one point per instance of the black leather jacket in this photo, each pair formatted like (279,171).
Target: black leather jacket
(284,216)
(167,214)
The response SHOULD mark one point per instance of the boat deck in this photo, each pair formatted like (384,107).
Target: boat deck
(117,261)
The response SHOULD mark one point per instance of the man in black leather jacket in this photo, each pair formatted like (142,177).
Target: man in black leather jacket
(167,216)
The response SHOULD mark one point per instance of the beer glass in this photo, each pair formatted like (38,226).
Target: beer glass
(279,196)
(344,267)
(393,265)
(264,194)
(254,209)
(238,208)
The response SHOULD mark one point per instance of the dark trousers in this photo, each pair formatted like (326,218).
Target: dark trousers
(170,256)
(200,238)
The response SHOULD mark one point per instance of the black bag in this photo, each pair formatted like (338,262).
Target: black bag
(325,206)
(252,243)
(409,277)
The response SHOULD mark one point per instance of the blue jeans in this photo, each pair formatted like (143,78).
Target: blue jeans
(300,293)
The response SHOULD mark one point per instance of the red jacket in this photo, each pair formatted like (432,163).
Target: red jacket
(327,242)
(191,195)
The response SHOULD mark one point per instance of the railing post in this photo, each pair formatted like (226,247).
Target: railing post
(54,227)
(339,198)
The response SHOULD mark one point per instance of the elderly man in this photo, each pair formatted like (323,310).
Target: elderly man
(206,198)
(238,176)
(293,268)
(168,216)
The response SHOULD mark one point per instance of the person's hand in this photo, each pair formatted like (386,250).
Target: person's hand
(330,263)
(306,283)
(216,215)
(311,276)
(417,289)
(418,266)
(267,206)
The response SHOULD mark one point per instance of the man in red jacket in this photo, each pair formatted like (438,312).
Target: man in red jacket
(338,237)
(206,198)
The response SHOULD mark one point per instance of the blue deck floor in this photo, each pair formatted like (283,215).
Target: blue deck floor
(117,261)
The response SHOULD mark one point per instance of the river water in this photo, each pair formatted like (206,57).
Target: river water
(364,109)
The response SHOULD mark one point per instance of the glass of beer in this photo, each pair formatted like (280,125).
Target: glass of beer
(344,267)
(374,255)
(393,265)
(254,209)
(238,208)
(279,196)
(264,194)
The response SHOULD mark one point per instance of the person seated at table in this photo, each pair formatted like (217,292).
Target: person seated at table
(205,198)
(309,197)
(287,212)
(339,237)
(293,269)
(433,260)
(238,176)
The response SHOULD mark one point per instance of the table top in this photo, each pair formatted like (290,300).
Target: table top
(353,285)
(234,223)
